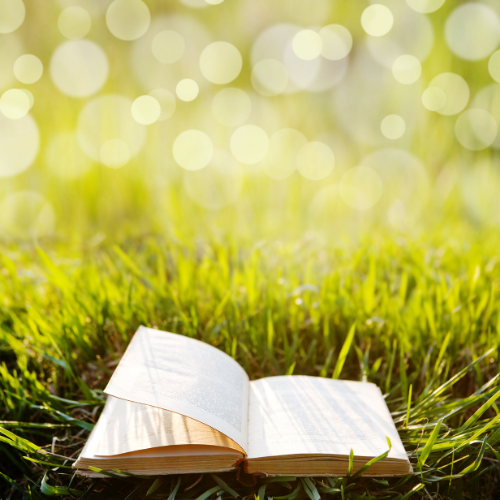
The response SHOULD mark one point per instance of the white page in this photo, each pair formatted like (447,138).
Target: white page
(185,376)
(293,415)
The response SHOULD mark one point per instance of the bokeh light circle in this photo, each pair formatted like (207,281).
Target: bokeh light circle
(393,127)
(19,142)
(79,68)
(168,46)
(220,62)
(307,45)
(249,144)
(456,91)
(425,6)
(406,69)
(28,69)
(476,129)
(74,22)
(106,118)
(26,214)
(114,153)
(494,66)
(472,31)
(193,150)
(377,20)
(315,160)
(14,104)
(337,42)
(281,159)
(167,103)
(146,110)
(187,90)
(12,14)
(217,185)
(64,157)
(434,98)
(361,187)
(128,19)
(231,107)
(269,77)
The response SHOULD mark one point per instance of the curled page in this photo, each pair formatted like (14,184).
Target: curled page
(134,427)
(185,376)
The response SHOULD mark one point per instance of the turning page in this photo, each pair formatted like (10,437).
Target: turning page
(185,376)
(134,427)
(300,415)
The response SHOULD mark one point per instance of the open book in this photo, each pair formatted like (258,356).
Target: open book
(178,405)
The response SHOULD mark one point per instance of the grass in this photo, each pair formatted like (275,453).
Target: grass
(418,317)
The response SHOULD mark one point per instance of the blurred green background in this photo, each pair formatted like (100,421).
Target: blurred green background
(394,119)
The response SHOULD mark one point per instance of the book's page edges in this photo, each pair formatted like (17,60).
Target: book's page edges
(185,376)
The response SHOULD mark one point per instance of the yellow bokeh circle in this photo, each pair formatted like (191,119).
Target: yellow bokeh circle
(128,19)
(14,104)
(393,127)
(28,69)
(146,110)
(187,90)
(337,42)
(307,45)
(249,144)
(315,160)
(220,62)
(74,22)
(193,150)
(406,69)
(12,14)
(79,68)
(377,20)
(168,46)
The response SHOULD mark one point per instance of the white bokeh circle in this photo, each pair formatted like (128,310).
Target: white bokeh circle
(79,68)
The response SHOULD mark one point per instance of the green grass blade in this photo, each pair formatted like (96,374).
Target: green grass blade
(224,486)
(344,352)
(209,492)
(423,455)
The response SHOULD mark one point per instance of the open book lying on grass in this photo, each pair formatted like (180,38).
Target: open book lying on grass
(178,405)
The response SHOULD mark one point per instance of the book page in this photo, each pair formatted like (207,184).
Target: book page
(185,376)
(133,427)
(98,442)
(294,415)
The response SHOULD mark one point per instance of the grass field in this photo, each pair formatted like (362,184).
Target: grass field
(424,315)
(334,214)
